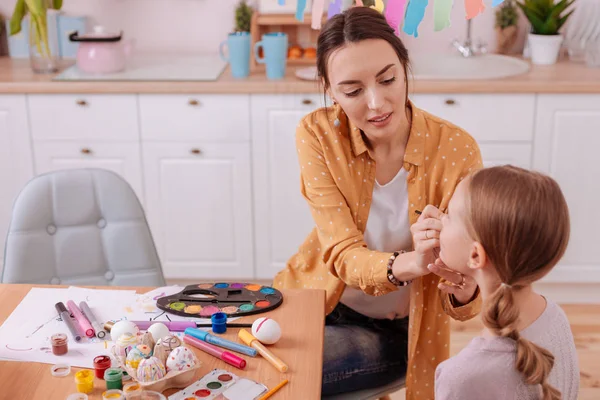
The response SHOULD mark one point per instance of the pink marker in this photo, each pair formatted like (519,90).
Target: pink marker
(81,320)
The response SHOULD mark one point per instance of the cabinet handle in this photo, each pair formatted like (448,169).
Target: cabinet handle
(195,151)
(193,102)
(450,102)
(307,102)
(85,150)
(81,103)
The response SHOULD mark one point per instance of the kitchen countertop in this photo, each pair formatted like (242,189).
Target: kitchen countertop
(16,76)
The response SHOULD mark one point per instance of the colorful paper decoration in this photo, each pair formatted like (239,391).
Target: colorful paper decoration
(281,2)
(300,6)
(414,15)
(335,7)
(474,8)
(441,14)
(317,11)
(394,12)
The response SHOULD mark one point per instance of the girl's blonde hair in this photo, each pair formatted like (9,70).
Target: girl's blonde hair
(521,219)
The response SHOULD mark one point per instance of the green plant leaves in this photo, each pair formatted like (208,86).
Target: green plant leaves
(546,16)
(18,15)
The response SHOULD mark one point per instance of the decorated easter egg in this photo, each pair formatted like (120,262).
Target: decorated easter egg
(164,346)
(150,369)
(121,328)
(145,350)
(158,330)
(148,340)
(266,330)
(134,357)
(123,346)
(181,359)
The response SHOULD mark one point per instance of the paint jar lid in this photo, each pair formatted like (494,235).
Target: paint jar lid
(132,387)
(60,370)
(113,394)
(77,396)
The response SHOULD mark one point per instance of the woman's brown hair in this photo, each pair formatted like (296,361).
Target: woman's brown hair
(352,26)
(521,219)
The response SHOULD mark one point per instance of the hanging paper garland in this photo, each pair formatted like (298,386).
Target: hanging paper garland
(317,11)
(414,15)
(300,6)
(474,8)
(441,14)
(394,12)
(335,7)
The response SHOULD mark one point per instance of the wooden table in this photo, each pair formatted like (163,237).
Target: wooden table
(301,317)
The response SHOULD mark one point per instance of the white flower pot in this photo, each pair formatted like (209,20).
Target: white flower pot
(544,49)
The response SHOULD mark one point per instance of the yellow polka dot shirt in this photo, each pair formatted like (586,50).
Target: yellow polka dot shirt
(337,179)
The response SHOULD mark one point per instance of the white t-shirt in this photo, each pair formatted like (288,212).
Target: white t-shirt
(388,229)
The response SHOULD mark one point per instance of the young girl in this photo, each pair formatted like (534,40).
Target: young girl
(506,228)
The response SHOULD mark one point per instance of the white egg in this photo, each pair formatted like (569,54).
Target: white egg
(158,331)
(122,327)
(266,330)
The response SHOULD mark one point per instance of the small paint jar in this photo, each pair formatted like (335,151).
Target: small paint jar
(101,364)
(59,344)
(219,322)
(113,394)
(84,381)
(113,378)
(132,390)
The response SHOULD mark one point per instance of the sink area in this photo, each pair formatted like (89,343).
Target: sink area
(457,67)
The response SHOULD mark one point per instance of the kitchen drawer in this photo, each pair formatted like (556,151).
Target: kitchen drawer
(487,117)
(207,118)
(121,158)
(518,154)
(88,116)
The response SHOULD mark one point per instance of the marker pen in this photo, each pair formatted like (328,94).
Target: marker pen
(66,317)
(85,309)
(85,325)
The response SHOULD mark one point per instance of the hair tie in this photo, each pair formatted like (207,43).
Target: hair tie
(505,285)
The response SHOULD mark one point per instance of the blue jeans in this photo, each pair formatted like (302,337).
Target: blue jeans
(361,352)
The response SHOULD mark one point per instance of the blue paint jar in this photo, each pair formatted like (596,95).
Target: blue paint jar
(219,322)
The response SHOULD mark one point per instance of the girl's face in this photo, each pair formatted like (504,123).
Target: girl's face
(367,80)
(456,245)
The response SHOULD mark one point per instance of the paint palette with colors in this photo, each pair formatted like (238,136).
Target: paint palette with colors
(233,299)
(221,385)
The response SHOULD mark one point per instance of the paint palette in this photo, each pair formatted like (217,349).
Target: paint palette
(233,299)
(221,385)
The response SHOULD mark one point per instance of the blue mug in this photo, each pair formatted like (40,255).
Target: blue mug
(275,48)
(238,44)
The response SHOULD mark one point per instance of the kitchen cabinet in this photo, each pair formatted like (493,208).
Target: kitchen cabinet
(567,139)
(123,159)
(281,215)
(199,208)
(219,179)
(16,164)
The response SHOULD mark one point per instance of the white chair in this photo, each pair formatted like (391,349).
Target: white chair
(80,227)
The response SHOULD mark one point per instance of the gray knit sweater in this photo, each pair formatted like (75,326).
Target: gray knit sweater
(485,368)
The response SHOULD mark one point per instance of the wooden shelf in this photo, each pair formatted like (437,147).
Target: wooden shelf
(302,61)
(284,19)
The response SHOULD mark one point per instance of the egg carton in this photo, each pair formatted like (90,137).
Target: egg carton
(172,380)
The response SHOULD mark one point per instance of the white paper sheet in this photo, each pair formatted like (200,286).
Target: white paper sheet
(25,335)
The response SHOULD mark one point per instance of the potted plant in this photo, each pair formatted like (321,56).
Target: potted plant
(506,26)
(43,43)
(243,17)
(546,18)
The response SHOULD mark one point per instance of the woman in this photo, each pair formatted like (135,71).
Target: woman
(369,165)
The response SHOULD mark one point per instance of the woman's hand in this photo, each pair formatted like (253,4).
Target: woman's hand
(426,238)
(462,287)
